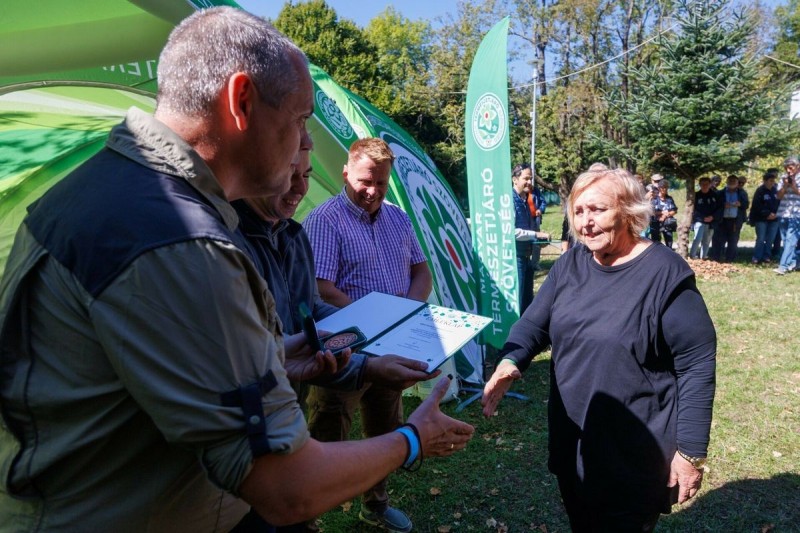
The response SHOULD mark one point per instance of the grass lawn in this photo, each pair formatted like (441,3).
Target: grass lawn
(500,482)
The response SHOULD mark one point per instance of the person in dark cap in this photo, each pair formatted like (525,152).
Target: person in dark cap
(705,205)
(764,216)
(668,208)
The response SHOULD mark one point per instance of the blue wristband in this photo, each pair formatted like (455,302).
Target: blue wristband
(413,445)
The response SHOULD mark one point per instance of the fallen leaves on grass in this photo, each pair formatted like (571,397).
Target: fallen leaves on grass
(346,506)
(435,491)
(499,527)
(711,270)
(443,529)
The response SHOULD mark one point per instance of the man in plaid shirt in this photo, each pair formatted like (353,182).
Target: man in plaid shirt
(363,244)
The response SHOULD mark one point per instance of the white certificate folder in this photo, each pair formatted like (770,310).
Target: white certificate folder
(417,330)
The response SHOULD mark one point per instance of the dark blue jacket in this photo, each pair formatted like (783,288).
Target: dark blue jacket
(765,201)
(705,205)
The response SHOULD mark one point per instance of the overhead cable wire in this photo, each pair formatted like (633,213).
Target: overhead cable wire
(553,80)
(609,60)
(597,65)
(781,61)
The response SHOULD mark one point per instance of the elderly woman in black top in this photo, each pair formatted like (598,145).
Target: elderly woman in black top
(633,363)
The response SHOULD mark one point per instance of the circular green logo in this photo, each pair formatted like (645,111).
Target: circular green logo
(488,122)
(333,115)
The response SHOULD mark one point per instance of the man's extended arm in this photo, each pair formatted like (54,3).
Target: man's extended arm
(530,235)
(286,476)
(421,282)
(290,488)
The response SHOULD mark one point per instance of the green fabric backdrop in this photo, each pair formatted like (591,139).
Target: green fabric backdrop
(70,70)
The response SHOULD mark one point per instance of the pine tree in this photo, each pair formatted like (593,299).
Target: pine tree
(697,106)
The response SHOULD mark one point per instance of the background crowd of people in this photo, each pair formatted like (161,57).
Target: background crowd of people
(720,213)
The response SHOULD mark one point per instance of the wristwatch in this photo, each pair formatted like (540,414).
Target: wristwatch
(697,462)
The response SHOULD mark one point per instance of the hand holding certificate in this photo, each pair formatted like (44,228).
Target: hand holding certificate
(412,329)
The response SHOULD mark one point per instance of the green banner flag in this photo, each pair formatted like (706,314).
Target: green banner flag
(489,182)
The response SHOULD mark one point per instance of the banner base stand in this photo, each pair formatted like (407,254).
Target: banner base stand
(479,392)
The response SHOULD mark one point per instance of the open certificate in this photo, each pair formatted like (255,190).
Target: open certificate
(396,325)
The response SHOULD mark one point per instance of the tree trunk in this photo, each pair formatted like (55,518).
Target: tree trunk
(625,34)
(541,42)
(685,225)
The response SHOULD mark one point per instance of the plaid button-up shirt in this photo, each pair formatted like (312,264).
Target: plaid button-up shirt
(360,254)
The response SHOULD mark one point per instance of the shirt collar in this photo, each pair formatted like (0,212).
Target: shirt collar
(149,142)
(253,225)
(358,211)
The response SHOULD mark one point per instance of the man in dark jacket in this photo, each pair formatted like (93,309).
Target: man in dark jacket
(526,230)
(732,207)
(705,205)
(764,216)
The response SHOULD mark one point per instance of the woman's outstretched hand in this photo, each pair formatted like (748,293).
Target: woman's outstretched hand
(504,375)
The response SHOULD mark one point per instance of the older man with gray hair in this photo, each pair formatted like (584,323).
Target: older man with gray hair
(142,376)
(789,214)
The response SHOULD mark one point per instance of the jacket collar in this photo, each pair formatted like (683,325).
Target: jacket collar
(147,141)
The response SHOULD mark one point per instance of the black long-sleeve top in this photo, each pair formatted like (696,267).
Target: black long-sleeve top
(705,205)
(765,202)
(632,371)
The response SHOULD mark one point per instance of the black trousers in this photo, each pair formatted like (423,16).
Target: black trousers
(587,518)
(725,242)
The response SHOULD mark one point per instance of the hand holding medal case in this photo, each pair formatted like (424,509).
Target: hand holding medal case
(351,337)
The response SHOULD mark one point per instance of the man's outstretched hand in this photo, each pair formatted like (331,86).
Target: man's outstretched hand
(440,435)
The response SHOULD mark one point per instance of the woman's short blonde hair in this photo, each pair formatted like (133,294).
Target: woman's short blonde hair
(633,207)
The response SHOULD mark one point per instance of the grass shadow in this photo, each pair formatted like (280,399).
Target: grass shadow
(757,505)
